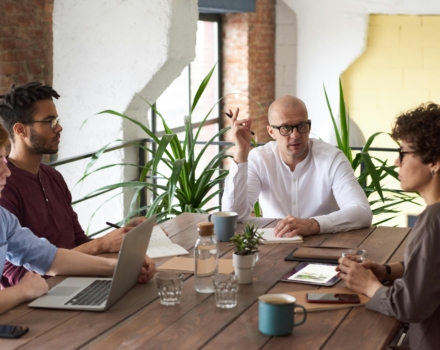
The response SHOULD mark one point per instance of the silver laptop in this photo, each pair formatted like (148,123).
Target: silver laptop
(98,294)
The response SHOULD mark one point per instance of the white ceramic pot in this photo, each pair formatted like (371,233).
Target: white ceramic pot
(244,267)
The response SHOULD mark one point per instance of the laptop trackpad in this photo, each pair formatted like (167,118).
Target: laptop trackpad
(64,291)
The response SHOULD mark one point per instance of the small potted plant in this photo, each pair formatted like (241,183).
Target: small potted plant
(245,252)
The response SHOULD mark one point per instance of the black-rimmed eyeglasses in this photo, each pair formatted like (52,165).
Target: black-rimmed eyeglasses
(402,154)
(286,130)
(52,122)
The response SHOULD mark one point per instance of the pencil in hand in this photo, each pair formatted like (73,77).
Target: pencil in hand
(230,116)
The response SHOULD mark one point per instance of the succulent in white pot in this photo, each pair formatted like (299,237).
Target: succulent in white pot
(246,252)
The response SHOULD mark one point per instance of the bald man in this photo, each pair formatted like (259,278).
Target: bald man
(304,181)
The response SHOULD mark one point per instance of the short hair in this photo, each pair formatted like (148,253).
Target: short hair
(4,136)
(17,105)
(421,128)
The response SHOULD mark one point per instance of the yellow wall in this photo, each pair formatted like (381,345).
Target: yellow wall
(399,70)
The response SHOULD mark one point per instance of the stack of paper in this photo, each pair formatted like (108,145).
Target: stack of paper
(270,238)
(161,246)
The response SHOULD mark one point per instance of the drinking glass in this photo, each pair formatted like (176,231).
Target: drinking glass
(358,255)
(226,288)
(169,287)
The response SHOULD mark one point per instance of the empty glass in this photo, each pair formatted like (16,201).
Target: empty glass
(169,287)
(226,288)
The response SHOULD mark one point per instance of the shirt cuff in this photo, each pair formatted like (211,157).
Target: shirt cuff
(325,225)
(375,302)
(235,168)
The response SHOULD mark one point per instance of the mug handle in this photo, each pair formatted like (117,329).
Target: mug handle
(304,313)
(209,217)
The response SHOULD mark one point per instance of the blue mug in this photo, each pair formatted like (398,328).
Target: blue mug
(276,314)
(224,224)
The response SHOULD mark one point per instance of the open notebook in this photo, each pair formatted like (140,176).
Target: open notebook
(270,238)
(161,246)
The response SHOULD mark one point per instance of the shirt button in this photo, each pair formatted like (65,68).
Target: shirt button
(294,203)
(294,180)
(47,200)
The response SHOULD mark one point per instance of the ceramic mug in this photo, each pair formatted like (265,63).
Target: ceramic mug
(224,224)
(276,314)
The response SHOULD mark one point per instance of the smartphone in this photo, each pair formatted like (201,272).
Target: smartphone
(11,331)
(333,298)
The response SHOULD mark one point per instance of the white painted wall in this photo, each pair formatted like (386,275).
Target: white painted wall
(105,53)
(332,34)
(285,50)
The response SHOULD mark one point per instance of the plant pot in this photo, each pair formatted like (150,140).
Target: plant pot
(244,267)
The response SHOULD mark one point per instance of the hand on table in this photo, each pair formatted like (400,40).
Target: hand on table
(33,284)
(111,242)
(148,270)
(292,226)
(357,277)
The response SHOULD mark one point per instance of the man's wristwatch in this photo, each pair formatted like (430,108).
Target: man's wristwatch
(388,272)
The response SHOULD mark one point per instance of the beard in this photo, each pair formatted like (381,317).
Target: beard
(40,145)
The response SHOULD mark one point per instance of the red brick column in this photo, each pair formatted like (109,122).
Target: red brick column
(26,38)
(249,64)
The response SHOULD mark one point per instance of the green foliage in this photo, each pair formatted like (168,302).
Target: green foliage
(247,242)
(188,187)
(372,170)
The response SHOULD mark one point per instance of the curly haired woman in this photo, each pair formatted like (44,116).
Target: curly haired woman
(414,295)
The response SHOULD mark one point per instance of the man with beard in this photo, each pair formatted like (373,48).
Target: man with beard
(36,193)
(306,182)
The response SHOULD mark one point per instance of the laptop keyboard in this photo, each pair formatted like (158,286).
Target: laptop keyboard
(94,294)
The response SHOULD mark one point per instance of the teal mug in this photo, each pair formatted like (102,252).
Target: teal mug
(276,313)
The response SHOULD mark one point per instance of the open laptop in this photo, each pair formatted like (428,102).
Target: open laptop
(98,294)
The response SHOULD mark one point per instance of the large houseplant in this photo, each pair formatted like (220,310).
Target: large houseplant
(245,252)
(372,170)
(188,186)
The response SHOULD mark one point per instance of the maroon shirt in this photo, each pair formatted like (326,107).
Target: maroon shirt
(43,204)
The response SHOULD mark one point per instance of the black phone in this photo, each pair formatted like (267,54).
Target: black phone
(333,298)
(11,331)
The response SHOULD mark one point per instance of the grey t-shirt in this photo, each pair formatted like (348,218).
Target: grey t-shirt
(415,298)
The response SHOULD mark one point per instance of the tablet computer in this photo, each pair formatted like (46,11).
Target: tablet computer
(313,273)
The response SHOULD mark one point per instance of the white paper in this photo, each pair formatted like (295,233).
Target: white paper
(161,246)
(270,238)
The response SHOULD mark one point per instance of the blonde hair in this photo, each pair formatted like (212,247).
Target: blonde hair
(4,136)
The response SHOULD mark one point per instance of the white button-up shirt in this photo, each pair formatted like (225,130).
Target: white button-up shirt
(322,187)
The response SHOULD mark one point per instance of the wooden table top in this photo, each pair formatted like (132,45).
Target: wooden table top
(138,320)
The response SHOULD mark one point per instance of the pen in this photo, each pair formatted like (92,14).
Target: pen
(112,225)
(230,116)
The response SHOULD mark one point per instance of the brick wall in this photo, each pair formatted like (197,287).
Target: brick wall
(249,64)
(25,42)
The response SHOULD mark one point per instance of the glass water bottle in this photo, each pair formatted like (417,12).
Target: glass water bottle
(206,258)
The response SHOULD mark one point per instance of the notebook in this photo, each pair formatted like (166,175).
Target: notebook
(161,246)
(98,294)
(270,238)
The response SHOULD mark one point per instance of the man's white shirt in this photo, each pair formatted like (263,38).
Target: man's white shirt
(322,187)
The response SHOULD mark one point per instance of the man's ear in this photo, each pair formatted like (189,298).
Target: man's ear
(270,130)
(19,130)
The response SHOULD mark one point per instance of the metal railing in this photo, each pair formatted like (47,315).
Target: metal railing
(142,162)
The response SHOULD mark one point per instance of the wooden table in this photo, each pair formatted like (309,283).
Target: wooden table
(139,321)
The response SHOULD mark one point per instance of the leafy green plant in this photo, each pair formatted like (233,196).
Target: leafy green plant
(189,186)
(372,170)
(247,242)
